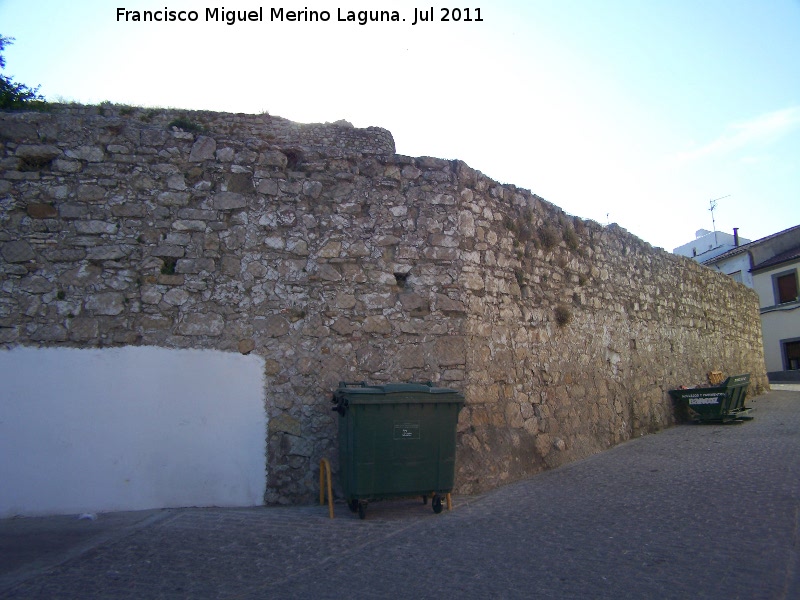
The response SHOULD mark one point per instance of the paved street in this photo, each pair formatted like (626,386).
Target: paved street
(697,511)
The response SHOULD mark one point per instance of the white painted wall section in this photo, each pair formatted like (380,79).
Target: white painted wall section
(129,429)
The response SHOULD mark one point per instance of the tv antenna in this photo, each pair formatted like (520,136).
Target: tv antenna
(713,205)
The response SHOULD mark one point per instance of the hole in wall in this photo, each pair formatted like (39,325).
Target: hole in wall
(35,163)
(169,266)
(293,159)
(401,279)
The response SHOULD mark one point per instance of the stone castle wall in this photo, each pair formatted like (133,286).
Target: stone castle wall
(320,249)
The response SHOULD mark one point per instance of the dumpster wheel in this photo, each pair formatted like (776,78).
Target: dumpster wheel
(436,502)
(362,509)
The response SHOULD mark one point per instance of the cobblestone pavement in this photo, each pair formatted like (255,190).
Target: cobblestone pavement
(697,511)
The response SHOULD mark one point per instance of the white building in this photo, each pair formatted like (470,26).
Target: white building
(771,266)
(708,244)
(776,283)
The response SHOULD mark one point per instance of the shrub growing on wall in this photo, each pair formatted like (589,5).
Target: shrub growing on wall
(563,315)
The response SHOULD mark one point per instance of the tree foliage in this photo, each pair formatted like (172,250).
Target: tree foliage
(16,96)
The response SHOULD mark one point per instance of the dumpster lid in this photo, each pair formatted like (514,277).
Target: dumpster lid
(421,392)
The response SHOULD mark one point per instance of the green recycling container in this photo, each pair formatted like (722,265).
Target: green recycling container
(723,403)
(396,440)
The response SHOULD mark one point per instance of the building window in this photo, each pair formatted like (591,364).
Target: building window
(791,353)
(737,276)
(785,287)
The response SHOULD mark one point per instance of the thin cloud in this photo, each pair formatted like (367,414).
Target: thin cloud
(762,129)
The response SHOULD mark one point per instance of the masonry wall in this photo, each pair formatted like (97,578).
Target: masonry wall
(333,258)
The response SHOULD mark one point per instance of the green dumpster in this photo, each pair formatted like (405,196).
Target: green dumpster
(396,440)
(723,403)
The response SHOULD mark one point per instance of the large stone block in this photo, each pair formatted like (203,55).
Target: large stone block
(37,151)
(173,198)
(108,303)
(87,153)
(272,326)
(229,201)
(377,324)
(203,148)
(95,227)
(90,193)
(17,251)
(195,265)
(450,351)
(196,324)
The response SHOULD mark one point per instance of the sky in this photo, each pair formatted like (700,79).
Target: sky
(636,112)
